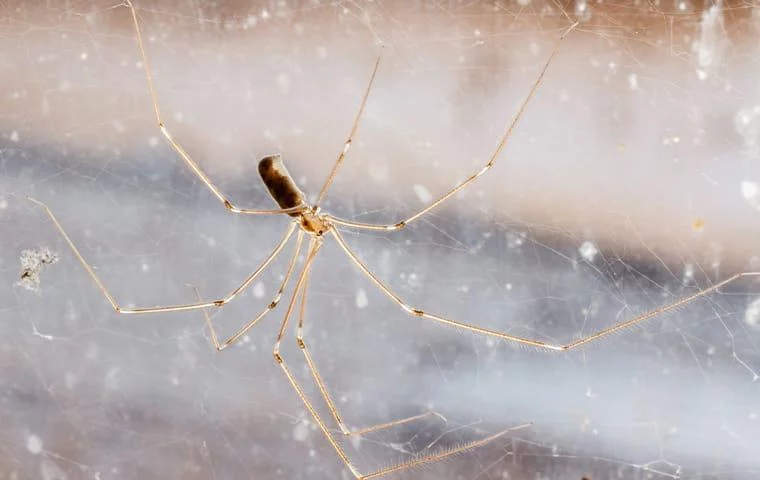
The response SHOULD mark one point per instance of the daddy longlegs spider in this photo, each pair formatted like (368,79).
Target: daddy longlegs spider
(310,221)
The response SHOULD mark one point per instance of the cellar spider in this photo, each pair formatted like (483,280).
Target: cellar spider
(309,221)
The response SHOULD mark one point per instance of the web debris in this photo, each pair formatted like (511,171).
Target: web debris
(33,262)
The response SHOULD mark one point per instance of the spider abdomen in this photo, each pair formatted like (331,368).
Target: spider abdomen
(280,184)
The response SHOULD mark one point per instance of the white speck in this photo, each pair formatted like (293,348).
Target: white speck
(688,273)
(508,286)
(3,203)
(259,290)
(423,195)
(301,432)
(701,74)
(153,141)
(633,81)
(711,350)
(34,444)
(14,136)
(752,314)
(414,280)
(83,56)
(283,83)
(145,267)
(751,193)
(361,298)
(588,250)
(523,3)
(265,14)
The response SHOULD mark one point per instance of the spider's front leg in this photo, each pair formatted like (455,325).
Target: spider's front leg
(178,147)
(166,308)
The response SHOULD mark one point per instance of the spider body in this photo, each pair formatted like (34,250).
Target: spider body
(307,219)
(283,189)
(280,184)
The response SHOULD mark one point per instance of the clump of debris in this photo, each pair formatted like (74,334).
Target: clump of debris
(33,262)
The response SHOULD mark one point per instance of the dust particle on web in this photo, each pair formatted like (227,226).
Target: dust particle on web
(33,262)
(588,251)
(361,298)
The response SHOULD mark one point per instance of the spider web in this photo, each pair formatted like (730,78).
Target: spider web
(631,180)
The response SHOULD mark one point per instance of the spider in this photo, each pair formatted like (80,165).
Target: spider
(309,221)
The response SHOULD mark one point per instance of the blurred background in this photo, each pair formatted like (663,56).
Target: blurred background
(631,180)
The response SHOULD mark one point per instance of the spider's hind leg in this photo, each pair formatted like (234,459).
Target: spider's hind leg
(326,394)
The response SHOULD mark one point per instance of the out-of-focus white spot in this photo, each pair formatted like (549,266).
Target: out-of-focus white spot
(751,193)
(322,51)
(153,141)
(34,444)
(688,273)
(423,195)
(301,432)
(701,74)
(515,239)
(361,298)
(251,21)
(752,314)
(633,81)
(508,286)
(83,56)
(14,136)
(283,83)
(265,14)
(711,41)
(711,350)
(747,123)
(588,250)
(523,3)
(259,290)
(145,267)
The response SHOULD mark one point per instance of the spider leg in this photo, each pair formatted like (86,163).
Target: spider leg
(167,308)
(272,305)
(347,144)
(527,341)
(176,145)
(323,388)
(314,247)
(499,147)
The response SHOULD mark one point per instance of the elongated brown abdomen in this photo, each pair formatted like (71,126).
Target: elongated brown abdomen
(280,184)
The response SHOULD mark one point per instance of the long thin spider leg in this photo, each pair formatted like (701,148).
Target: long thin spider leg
(168,308)
(178,148)
(535,343)
(347,144)
(314,247)
(272,305)
(499,147)
(323,388)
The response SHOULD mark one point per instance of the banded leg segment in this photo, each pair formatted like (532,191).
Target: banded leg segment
(499,147)
(314,247)
(527,341)
(323,387)
(176,145)
(166,308)
(272,304)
